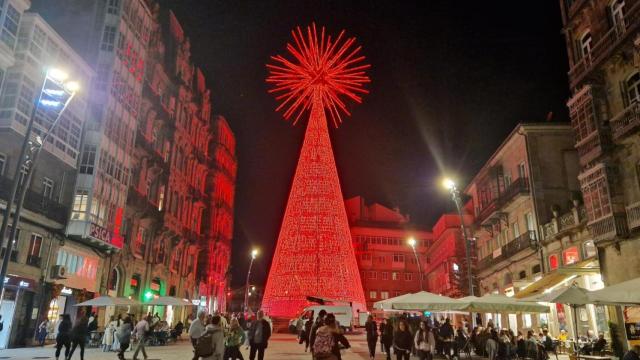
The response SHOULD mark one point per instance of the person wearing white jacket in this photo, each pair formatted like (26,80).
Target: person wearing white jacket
(425,342)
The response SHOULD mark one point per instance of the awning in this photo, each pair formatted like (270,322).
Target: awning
(559,275)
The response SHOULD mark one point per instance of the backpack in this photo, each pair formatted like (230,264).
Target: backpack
(323,344)
(204,347)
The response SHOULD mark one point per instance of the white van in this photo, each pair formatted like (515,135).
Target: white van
(343,314)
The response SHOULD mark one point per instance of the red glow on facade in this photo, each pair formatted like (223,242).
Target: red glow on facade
(314,254)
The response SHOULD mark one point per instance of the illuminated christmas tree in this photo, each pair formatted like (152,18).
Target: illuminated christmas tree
(314,254)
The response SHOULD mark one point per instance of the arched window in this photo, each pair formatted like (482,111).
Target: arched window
(616,10)
(632,85)
(585,44)
(114,280)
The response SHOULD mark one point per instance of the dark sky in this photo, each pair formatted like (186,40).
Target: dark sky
(449,82)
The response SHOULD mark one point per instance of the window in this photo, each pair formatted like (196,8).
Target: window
(516,230)
(372,294)
(617,15)
(24,170)
(398,258)
(88,159)
(528,219)
(394,276)
(633,88)
(596,199)
(585,44)
(3,163)
(385,275)
(80,202)
(47,187)
(408,276)
(522,170)
(589,249)
(373,275)
(536,269)
(553,262)
(522,275)
(571,255)
(384,295)
(10,27)
(366,257)
(112,7)
(108,38)
(33,257)
(507,181)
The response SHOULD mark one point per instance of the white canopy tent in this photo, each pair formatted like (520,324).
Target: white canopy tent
(496,303)
(423,300)
(624,293)
(106,300)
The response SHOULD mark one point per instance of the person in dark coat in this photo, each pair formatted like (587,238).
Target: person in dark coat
(259,335)
(633,353)
(372,336)
(402,341)
(387,338)
(307,332)
(79,336)
(318,324)
(446,335)
(64,335)
(383,325)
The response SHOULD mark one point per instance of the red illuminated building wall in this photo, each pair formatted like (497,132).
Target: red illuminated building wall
(387,264)
(446,270)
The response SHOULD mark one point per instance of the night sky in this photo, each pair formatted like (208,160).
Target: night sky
(448,84)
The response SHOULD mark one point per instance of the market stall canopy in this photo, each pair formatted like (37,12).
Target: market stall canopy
(109,301)
(169,301)
(570,295)
(496,303)
(387,304)
(425,301)
(624,293)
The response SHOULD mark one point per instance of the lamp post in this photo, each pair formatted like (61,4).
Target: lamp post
(455,196)
(412,243)
(254,253)
(56,94)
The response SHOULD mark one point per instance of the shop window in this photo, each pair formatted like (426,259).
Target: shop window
(571,256)
(522,274)
(589,249)
(553,262)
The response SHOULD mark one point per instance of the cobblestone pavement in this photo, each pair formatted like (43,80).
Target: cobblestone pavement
(281,346)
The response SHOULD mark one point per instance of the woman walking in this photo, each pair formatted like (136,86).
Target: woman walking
(107,338)
(425,342)
(372,336)
(115,346)
(123,335)
(64,336)
(402,341)
(235,339)
(79,334)
(43,330)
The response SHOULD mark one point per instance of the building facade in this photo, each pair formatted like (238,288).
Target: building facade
(387,263)
(29,46)
(445,259)
(533,171)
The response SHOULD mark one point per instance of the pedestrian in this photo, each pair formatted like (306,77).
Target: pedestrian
(115,345)
(215,332)
(402,341)
(43,329)
(79,334)
(329,337)
(372,336)
(425,342)
(107,338)
(63,338)
(446,334)
(123,335)
(196,330)
(234,340)
(141,331)
(383,325)
(387,338)
(633,353)
(259,335)
(307,332)
(314,329)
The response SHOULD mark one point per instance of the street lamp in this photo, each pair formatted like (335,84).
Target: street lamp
(55,95)
(412,242)
(450,185)
(254,254)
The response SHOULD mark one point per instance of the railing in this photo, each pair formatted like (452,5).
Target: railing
(564,222)
(518,186)
(590,148)
(33,260)
(605,45)
(37,203)
(626,121)
(609,227)
(522,242)
(633,215)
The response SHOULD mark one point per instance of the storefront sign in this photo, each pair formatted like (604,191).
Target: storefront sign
(104,235)
(19,282)
(66,291)
(633,331)
(195,302)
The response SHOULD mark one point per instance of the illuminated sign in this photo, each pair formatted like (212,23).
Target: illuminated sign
(195,302)
(100,233)
(65,290)
(23,284)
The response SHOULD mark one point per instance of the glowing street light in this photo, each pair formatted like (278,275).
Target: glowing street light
(55,95)
(254,254)
(412,242)
(451,186)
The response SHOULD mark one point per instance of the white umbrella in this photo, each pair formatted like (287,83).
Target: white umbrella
(387,304)
(424,301)
(496,303)
(169,301)
(624,293)
(106,300)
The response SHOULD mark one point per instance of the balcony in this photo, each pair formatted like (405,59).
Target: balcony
(609,227)
(565,222)
(37,203)
(591,147)
(33,260)
(633,215)
(626,122)
(605,45)
(522,242)
(518,187)
(144,206)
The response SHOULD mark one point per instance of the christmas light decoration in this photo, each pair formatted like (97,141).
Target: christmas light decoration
(314,253)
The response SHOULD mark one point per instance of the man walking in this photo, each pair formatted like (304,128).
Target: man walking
(140,332)
(196,330)
(259,335)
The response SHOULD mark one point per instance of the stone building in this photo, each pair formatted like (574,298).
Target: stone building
(533,170)
(388,266)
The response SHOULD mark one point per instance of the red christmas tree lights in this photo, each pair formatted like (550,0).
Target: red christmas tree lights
(314,253)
